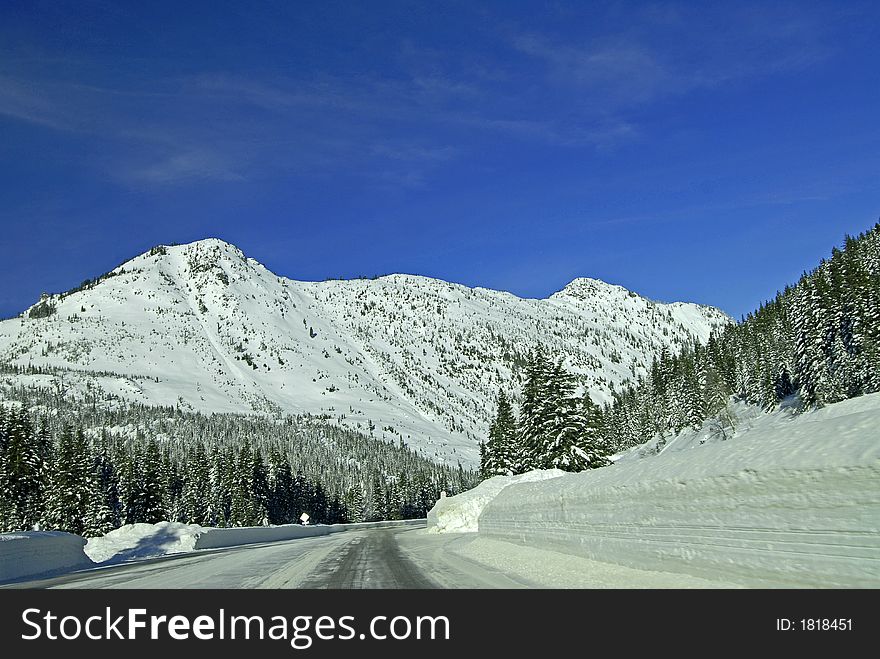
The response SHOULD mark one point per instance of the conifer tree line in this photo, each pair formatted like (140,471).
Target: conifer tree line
(819,339)
(555,427)
(214,471)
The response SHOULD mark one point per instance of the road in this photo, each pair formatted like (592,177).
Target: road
(405,558)
(375,558)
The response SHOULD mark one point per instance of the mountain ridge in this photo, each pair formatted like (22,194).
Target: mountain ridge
(405,357)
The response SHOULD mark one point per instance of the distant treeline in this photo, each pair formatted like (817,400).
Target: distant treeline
(819,339)
(222,470)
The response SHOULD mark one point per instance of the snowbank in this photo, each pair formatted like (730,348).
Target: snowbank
(33,554)
(794,503)
(138,541)
(213,538)
(385,524)
(36,553)
(460,514)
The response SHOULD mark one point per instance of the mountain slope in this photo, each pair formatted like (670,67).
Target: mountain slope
(404,357)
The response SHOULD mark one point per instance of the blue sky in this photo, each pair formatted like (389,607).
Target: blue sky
(695,151)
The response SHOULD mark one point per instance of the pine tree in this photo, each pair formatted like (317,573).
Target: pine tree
(107,509)
(142,485)
(243,504)
(562,426)
(172,484)
(500,452)
(197,487)
(260,490)
(534,413)
(354,504)
(7,522)
(557,428)
(592,446)
(222,485)
(23,472)
(280,483)
(71,496)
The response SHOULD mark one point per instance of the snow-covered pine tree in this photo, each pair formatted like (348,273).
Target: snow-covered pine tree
(99,517)
(6,514)
(300,497)
(260,490)
(318,504)
(222,485)
(72,488)
(149,494)
(534,413)
(593,448)
(172,484)
(354,504)
(107,485)
(197,487)
(501,454)
(280,483)
(22,472)
(243,505)
(563,424)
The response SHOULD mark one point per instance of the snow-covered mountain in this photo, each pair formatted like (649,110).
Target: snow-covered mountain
(403,357)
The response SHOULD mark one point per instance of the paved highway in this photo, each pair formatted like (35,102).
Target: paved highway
(373,558)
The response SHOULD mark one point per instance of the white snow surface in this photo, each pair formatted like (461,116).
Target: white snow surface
(741,419)
(792,501)
(461,513)
(139,541)
(32,553)
(203,327)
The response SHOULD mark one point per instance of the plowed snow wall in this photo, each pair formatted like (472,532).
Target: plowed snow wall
(34,553)
(762,511)
(230,537)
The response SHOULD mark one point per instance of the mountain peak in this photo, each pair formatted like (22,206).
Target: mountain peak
(215,248)
(409,358)
(204,250)
(210,243)
(587,287)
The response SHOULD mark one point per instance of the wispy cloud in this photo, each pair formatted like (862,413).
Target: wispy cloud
(542,88)
(225,128)
(30,103)
(671,50)
(183,167)
(617,73)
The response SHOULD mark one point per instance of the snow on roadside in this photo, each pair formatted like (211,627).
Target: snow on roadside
(139,541)
(34,553)
(793,503)
(459,514)
(542,568)
(742,420)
